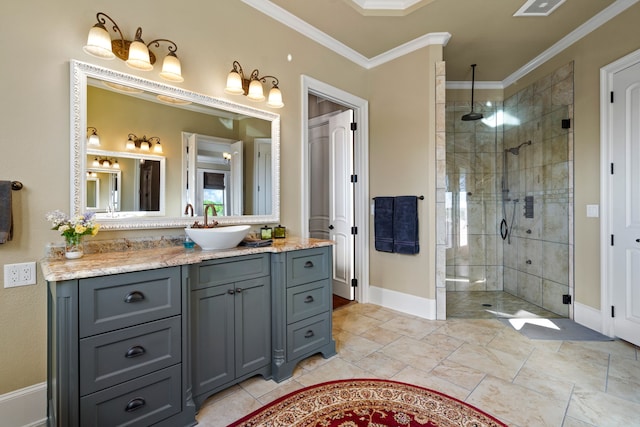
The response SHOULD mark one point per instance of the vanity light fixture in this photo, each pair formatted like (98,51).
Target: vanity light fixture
(93,138)
(143,143)
(135,53)
(238,84)
(227,157)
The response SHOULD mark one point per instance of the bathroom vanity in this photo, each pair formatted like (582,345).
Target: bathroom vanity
(144,337)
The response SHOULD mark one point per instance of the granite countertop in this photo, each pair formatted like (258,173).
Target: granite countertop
(102,264)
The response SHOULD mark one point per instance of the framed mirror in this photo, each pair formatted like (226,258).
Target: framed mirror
(122,107)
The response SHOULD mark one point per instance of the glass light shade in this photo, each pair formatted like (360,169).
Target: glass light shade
(234,84)
(99,43)
(106,163)
(157,148)
(116,165)
(275,98)
(96,163)
(131,145)
(139,56)
(256,92)
(94,140)
(171,69)
(144,146)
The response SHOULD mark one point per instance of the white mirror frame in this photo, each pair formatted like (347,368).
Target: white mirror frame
(80,72)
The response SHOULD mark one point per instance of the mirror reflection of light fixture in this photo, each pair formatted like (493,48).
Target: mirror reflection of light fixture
(143,143)
(238,84)
(105,162)
(227,157)
(135,53)
(92,174)
(93,138)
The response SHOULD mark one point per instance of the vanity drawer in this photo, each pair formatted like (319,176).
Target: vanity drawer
(308,265)
(115,357)
(308,335)
(308,300)
(140,402)
(229,270)
(121,300)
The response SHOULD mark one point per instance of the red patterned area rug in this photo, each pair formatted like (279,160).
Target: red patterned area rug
(367,403)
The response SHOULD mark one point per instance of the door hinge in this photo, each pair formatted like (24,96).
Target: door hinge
(354,126)
(566,299)
(613,311)
(354,230)
(612,240)
(612,97)
(611,168)
(259,154)
(354,178)
(354,283)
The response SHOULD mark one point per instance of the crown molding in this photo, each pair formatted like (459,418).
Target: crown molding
(297,24)
(592,24)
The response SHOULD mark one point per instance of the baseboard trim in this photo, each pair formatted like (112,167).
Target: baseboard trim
(588,316)
(410,304)
(26,407)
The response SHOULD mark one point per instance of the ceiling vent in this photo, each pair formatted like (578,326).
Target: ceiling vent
(538,7)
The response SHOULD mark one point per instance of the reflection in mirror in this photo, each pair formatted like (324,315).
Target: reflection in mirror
(118,104)
(129,182)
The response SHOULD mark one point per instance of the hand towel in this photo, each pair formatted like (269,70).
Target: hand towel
(383,223)
(6,220)
(405,225)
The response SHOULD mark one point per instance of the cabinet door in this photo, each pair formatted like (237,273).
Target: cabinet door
(213,335)
(253,324)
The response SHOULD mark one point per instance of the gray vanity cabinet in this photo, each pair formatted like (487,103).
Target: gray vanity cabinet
(231,322)
(302,304)
(117,351)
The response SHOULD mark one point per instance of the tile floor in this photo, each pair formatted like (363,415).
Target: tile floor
(489,304)
(484,362)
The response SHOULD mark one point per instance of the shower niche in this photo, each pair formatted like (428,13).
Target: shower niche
(509,194)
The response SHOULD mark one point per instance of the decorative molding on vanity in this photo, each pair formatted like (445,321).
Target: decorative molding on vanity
(410,304)
(26,407)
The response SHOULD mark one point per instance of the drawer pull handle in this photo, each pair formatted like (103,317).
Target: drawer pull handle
(308,299)
(135,404)
(308,264)
(135,296)
(231,292)
(135,351)
(309,334)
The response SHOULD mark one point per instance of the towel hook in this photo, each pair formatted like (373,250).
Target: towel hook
(16,185)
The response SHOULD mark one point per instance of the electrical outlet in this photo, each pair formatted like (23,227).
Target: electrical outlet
(19,274)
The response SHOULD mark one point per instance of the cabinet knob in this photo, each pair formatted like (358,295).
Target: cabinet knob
(239,290)
(135,351)
(135,404)
(231,292)
(134,296)
(309,334)
(308,299)
(308,264)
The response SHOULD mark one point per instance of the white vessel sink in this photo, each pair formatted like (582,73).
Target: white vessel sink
(218,237)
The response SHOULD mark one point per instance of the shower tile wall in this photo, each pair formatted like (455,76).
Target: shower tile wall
(474,249)
(537,264)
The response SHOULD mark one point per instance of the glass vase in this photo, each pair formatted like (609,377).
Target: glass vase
(74,247)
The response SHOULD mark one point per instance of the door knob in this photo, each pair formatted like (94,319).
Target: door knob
(638,240)
(331,227)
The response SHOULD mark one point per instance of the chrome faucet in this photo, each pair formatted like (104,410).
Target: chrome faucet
(188,209)
(213,210)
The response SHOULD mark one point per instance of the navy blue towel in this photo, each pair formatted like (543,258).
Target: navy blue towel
(383,223)
(405,225)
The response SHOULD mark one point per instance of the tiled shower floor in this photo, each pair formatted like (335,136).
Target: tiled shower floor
(489,304)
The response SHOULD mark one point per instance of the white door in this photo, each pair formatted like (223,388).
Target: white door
(236,178)
(262,186)
(625,208)
(341,202)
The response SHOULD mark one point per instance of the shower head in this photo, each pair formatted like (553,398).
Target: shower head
(472,115)
(516,150)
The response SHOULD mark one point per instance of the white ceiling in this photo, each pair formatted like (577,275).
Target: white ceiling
(484,32)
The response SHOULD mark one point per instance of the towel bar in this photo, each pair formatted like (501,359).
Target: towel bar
(16,185)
